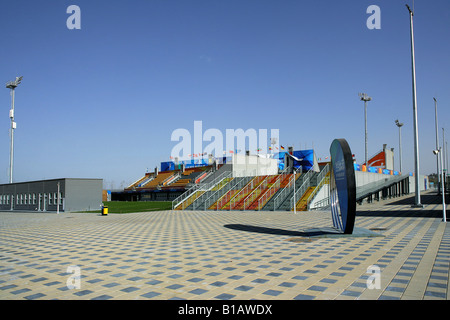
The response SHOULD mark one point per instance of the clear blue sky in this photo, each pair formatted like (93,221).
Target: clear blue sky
(102,102)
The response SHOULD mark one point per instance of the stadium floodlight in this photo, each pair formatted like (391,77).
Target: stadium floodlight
(399,125)
(364,97)
(12,85)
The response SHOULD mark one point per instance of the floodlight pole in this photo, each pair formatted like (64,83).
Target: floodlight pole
(11,149)
(365,98)
(12,85)
(438,153)
(444,166)
(437,145)
(417,202)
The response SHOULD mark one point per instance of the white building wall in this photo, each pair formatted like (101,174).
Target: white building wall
(249,166)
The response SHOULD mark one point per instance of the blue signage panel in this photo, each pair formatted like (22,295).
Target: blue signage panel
(342,186)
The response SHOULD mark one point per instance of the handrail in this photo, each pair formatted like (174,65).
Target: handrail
(249,187)
(325,202)
(300,191)
(216,194)
(205,187)
(363,191)
(272,190)
(211,191)
(255,193)
(325,180)
(278,200)
(138,180)
(240,182)
(170,178)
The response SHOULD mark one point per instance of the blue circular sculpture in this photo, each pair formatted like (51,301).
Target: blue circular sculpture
(342,186)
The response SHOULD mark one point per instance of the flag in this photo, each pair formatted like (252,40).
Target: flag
(270,148)
(282,148)
(231,151)
(259,149)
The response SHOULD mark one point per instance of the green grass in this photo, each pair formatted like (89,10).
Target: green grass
(135,206)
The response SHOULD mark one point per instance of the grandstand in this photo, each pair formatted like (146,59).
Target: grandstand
(285,181)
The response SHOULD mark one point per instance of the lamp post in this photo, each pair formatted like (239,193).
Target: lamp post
(444,166)
(364,97)
(12,85)
(438,152)
(399,125)
(437,144)
(417,202)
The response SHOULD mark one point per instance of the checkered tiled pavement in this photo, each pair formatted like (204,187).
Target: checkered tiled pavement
(224,255)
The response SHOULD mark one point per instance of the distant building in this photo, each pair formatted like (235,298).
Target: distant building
(74,195)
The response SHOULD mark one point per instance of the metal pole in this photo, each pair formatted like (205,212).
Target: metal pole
(295,203)
(443,164)
(365,98)
(446,156)
(437,145)
(365,132)
(11,150)
(57,200)
(399,125)
(444,216)
(400,145)
(416,140)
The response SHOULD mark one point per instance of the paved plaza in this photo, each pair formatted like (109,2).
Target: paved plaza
(198,255)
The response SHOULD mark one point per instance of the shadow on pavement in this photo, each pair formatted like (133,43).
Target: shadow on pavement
(429,211)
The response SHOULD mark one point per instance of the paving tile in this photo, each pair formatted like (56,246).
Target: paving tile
(128,257)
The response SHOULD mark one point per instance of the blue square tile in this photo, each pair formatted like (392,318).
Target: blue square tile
(273,293)
(225,296)
(129,289)
(287,284)
(35,296)
(243,288)
(218,284)
(260,280)
(150,294)
(198,291)
(175,286)
(317,288)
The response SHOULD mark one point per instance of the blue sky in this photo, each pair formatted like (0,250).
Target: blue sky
(102,101)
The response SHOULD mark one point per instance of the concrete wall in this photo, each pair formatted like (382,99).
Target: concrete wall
(74,195)
(363,178)
(83,194)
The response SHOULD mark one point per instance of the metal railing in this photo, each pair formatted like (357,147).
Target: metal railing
(212,191)
(257,192)
(302,189)
(224,198)
(279,199)
(244,191)
(271,191)
(200,186)
(216,193)
(325,180)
